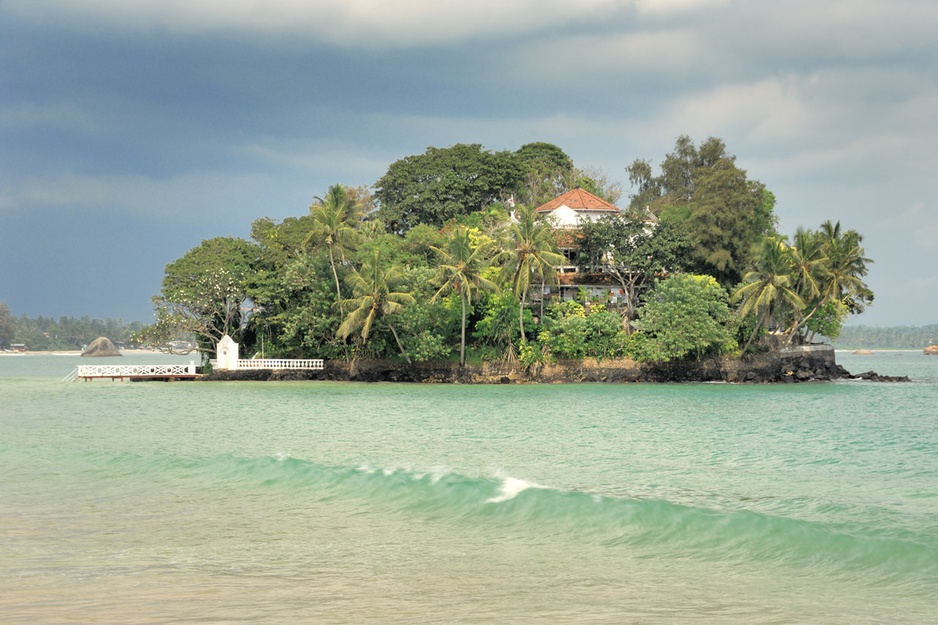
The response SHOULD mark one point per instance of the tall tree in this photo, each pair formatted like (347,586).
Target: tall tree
(444,183)
(335,221)
(828,270)
(374,296)
(769,287)
(702,190)
(529,254)
(205,292)
(460,270)
(547,172)
(847,265)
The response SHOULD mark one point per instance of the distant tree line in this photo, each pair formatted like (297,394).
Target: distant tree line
(65,333)
(447,259)
(896,337)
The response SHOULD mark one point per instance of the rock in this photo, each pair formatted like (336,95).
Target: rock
(101,347)
(931,350)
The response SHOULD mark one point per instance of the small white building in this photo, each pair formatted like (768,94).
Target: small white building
(226,354)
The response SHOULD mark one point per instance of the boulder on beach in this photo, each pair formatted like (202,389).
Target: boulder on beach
(931,350)
(101,346)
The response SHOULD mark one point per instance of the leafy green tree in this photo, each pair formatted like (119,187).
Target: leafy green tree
(633,251)
(444,183)
(722,212)
(529,254)
(374,296)
(497,327)
(686,315)
(335,220)
(204,293)
(296,313)
(547,172)
(461,270)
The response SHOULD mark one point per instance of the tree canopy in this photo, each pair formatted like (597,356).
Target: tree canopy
(444,183)
(723,213)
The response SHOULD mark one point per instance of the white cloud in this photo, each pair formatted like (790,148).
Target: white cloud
(660,56)
(670,7)
(769,111)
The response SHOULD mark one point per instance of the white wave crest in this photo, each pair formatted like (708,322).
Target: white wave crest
(511,487)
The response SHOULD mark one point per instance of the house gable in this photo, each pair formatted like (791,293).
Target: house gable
(574,205)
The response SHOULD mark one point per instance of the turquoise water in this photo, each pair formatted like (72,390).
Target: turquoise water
(352,503)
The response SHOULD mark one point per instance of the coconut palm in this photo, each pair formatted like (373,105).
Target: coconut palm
(460,271)
(769,287)
(335,221)
(846,267)
(529,254)
(374,296)
(808,266)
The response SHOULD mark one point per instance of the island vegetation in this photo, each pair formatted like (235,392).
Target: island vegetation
(62,333)
(445,258)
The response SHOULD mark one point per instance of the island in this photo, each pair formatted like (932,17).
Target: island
(463,264)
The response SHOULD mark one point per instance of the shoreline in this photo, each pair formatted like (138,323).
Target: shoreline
(77,352)
(780,367)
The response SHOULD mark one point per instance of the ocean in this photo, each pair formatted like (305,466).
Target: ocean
(334,503)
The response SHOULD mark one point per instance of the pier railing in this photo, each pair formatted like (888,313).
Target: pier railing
(279,363)
(135,371)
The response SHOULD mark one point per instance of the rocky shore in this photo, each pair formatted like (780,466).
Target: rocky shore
(787,366)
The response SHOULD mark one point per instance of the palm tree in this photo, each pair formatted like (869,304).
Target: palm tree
(530,254)
(374,296)
(335,221)
(809,265)
(768,287)
(460,270)
(846,266)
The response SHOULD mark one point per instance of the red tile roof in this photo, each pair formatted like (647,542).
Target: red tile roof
(579,200)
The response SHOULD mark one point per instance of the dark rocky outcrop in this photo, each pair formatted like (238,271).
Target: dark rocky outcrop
(793,365)
(101,347)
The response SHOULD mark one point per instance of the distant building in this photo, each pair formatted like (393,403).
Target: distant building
(566,212)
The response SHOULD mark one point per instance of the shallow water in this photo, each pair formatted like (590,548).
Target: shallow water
(352,503)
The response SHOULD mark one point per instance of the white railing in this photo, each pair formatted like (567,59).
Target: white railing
(134,371)
(279,363)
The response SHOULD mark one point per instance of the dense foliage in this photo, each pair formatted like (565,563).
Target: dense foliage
(456,264)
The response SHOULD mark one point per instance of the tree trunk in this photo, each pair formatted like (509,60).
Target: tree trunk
(761,324)
(462,343)
(335,274)
(399,346)
(521,316)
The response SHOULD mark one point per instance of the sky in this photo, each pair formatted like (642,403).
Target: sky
(130,131)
